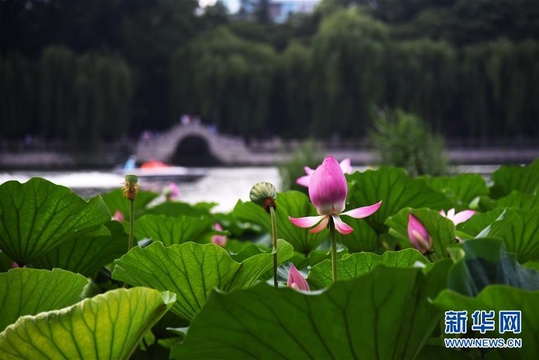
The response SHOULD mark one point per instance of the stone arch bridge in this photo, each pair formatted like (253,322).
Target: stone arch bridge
(224,149)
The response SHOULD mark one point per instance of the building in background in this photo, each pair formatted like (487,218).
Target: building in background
(280,10)
(276,11)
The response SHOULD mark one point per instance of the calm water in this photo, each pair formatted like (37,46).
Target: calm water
(224,186)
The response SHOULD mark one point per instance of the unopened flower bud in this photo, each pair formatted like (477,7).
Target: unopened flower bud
(131,186)
(418,234)
(264,194)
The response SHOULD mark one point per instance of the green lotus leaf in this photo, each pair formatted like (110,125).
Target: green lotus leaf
(38,215)
(358,264)
(514,177)
(519,200)
(192,271)
(461,189)
(396,189)
(88,254)
(486,262)
(519,230)
(481,222)
(497,298)
(290,203)
(363,238)
(177,208)
(384,314)
(172,230)
(107,326)
(30,291)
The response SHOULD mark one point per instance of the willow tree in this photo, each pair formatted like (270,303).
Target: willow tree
(57,95)
(292,90)
(84,99)
(225,79)
(422,79)
(18,103)
(347,59)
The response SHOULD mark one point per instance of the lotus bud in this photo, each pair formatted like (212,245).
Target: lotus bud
(219,240)
(296,280)
(418,234)
(131,187)
(264,194)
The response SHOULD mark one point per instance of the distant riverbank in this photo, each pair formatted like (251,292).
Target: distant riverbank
(60,160)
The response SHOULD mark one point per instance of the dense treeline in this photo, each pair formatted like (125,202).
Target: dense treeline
(485,90)
(79,98)
(116,67)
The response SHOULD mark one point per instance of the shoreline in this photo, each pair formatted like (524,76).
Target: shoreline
(56,160)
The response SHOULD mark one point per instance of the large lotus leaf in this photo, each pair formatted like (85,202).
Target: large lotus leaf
(88,254)
(290,203)
(519,200)
(396,189)
(176,208)
(497,298)
(440,229)
(514,177)
(116,201)
(355,265)
(30,291)
(192,271)
(460,189)
(517,228)
(5,262)
(430,352)
(107,326)
(384,314)
(363,238)
(172,230)
(481,221)
(38,215)
(482,262)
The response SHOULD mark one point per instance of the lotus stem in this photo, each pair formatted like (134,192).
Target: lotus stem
(333,240)
(274,241)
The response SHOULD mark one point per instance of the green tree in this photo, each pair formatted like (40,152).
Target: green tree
(231,81)
(18,103)
(347,76)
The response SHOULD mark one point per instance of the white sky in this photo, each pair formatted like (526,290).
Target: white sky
(232,5)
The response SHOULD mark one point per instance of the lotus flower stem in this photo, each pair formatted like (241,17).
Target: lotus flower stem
(264,194)
(130,191)
(333,240)
(274,241)
(131,224)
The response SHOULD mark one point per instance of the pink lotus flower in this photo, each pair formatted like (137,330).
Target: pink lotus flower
(459,217)
(418,235)
(219,240)
(118,216)
(328,190)
(296,281)
(172,192)
(345,165)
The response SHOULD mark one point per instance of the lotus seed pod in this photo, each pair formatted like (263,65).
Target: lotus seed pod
(264,194)
(131,186)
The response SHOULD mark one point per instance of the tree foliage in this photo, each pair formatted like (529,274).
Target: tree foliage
(83,98)
(229,79)
(89,70)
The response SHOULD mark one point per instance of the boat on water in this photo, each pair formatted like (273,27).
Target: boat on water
(158,170)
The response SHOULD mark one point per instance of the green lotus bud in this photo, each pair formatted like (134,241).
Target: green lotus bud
(264,194)
(131,187)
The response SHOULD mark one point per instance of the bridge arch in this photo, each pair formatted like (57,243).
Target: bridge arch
(221,148)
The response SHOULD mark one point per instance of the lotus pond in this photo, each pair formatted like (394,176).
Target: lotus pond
(407,282)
